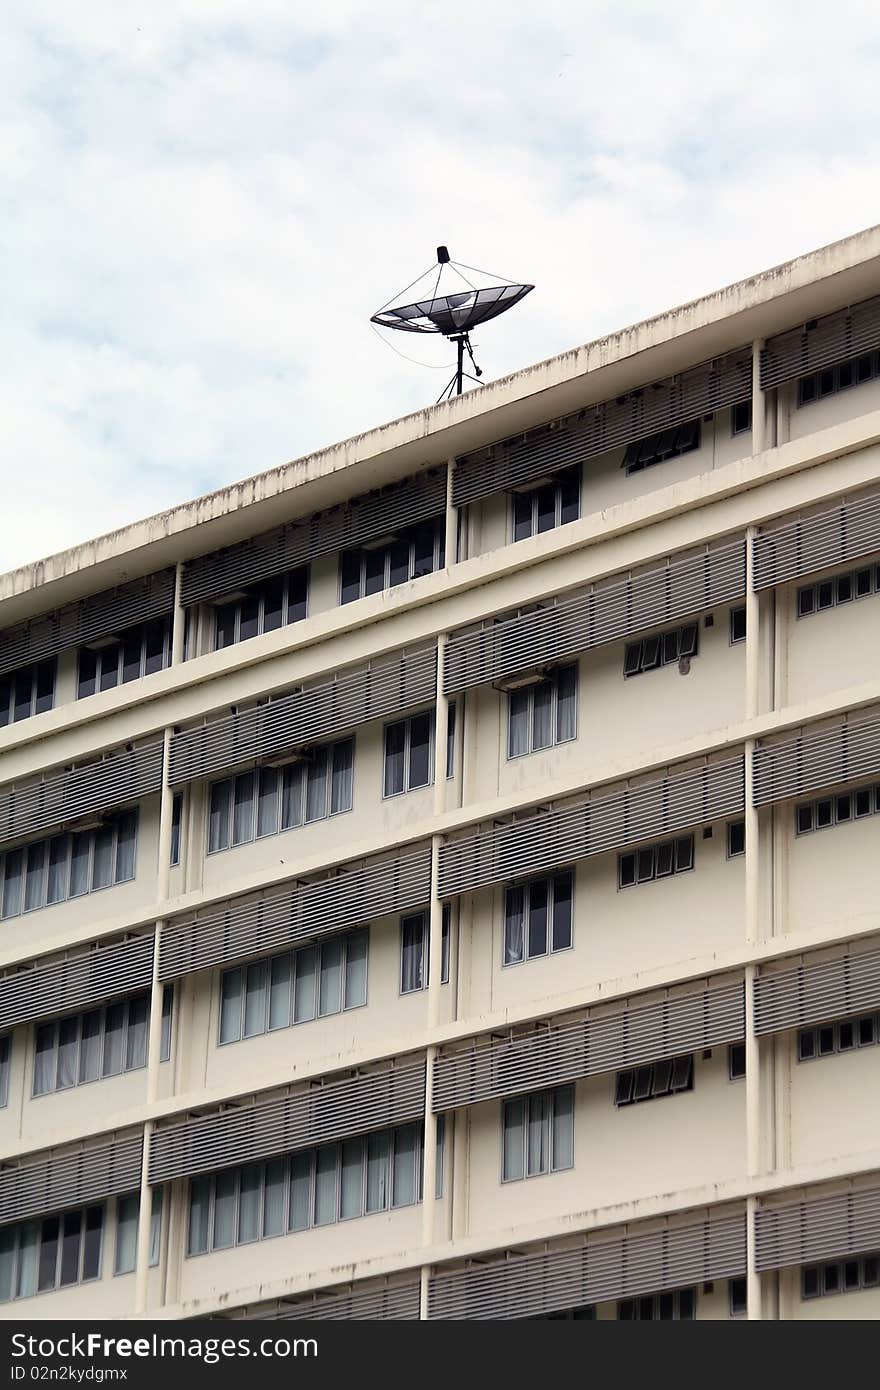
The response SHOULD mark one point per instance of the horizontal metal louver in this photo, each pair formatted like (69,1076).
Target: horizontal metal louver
(589,1047)
(392,1302)
(304,716)
(598,428)
(99,615)
(363,519)
(34,1187)
(256,925)
(834,337)
(336,1110)
(119,779)
(684,587)
(65,986)
(817,1228)
(816,993)
(823,758)
(847,531)
(550,839)
(525,1286)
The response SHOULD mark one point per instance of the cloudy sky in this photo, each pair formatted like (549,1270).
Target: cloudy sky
(202,202)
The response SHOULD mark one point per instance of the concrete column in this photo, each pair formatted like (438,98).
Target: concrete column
(759,403)
(178,622)
(142,1267)
(451,518)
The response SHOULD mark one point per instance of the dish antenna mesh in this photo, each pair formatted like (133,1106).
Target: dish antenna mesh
(454,313)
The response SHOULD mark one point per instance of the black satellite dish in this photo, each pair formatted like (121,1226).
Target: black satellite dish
(453,314)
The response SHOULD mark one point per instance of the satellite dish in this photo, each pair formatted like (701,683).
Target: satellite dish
(453,314)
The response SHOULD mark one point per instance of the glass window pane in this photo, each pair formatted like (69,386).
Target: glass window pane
(126,1234)
(102,859)
(45,681)
(223,1234)
(378,1171)
(33,891)
(126,847)
(297,594)
(399,562)
(88,668)
(136,1040)
(24,691)
(28,1246)
(569,496)
(561,912)
(12,876)
(8,1238)
(542,715)
(268,807)
(538,917)
(304,985)
(167,1020)
(155,645)
(356,969)
(5,699)
(44,1059)
(114,1039)
(199,1209)
(513,1140)
(90,1046)
(350,576)
(300,1191)
(395,745)
(68,1046)
(316,786)
(230,1006)
(514,909)
(250,1203)
(450,741)
(566,704)
(80,857)
(156,1224)
(330,994)
(419,751)
(341,785)
(522,516)
(546,507)
(274,1190)
(109,659)
(243,809)
(374,571)
(49,1234)
(423,549)
(176,815)
(539,1135)
(59,851)
(517,723)
(218,817)
(325,1186)
(226,617)
(279,992)
(412,939)
(291,798)
(404,1176)
(352,1187)
(249,619)
(273,604)
(256,997)
(131,657)
(563,1128)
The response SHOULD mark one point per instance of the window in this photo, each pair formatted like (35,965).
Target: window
(52,1253)
(737,620)
(101,1042)
(409,754)
(552,504)
(537,917)
(176,817)
(736,1061)
(315,1187)
(414,950)
(586,1313)
(27,692)
(741,417)
(736,838)
(737,1299)
(537,1134)
(263,607)
(843,588)
(127,1209)
(679,1305)
(661,649)
(664,445)
(412,553)
(270,799)
(666,1078)
(836,810)
(139,651)
(543,714)
(295,987)
(450,740)
(655,861)
(841,1276)
(841,1036)
(5,1050)
(67,866)
(831,380)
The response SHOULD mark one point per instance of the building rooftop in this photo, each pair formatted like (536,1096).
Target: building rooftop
(753,308)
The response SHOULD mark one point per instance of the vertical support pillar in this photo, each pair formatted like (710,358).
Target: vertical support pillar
(143,1230)
(451,518)
(759,402)
(178,621)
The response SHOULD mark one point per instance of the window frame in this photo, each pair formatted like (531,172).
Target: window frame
(863,367)
(423,917)
(328,751)
(344,939)
(834,816)
(552,682)
(138,632)
(558,482)
(639,880)
(407,723)
(406,534)
(549,1099)
(636,652)
(865,576)
(525,886)
(639,454)
(37,704)
(654,1087)
(258,591)
(99,1040)
(735,637)
(128,819)
(37,1224)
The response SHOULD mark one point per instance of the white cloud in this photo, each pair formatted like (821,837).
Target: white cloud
(203,203)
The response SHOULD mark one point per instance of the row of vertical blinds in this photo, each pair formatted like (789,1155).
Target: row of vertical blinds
(337,1109)
(399,1302)
(65,795)
(821,343)
(302,717)
(364,519)
(817,1227)
(47,1183)
(603,1268)
(310,909)
(549,1056)
(80,982)
(88,620)
(691,394)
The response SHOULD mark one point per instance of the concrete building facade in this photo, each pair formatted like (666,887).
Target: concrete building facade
(438,877)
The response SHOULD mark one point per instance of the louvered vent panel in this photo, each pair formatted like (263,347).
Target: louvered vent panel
(255,926)
(817,1228)
(366,518)
(119,779)
(847,531)
(34,1187)
(91,618)
(812,761)
(589,1047)
(553,838)
(525,1286)
(686,586)
(800,351)
(396,1302)
(305,716)
(817,992)
(65,986)
(598,428)
(336,1110)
